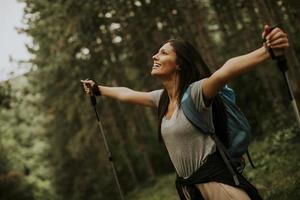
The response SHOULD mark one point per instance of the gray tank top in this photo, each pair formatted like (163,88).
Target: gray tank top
(186,145)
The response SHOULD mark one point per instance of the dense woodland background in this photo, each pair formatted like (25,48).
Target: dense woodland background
(50,145)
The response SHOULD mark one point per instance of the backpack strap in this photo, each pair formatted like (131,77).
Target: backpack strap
(191,112)
(196,118)
(228,93)
(225,157)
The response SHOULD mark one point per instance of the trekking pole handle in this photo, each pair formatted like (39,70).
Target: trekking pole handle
(92,95)
(275,54)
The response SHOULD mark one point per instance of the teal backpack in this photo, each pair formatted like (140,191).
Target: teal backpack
(238,128)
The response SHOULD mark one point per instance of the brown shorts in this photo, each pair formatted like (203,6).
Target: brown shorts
(219,191)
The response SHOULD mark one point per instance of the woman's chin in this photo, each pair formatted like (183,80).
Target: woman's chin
(154,72)
(158,73)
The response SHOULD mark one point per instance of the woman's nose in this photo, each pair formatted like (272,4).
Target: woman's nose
(154,57)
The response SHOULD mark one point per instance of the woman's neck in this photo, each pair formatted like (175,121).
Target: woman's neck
(172,85)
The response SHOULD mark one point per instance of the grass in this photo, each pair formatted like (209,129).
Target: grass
(278,162)
(162,187)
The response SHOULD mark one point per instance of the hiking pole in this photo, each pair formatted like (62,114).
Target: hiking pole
(282,65)
(109,155)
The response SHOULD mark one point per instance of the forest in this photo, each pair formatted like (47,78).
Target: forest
(51,147)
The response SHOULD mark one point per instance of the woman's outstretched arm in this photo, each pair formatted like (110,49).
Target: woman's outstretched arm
(123,94)
(236,66)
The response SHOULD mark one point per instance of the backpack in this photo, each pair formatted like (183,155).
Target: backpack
(238,128)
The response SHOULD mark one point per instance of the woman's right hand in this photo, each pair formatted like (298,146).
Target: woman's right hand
(87,86)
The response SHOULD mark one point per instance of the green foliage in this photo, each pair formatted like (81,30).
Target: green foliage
(12,182)
(26,172)
(162,187)
(278,162)
(5,97)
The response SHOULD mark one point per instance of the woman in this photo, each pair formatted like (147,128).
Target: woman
(201,172)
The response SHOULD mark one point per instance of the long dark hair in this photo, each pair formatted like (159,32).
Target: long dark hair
(192,68)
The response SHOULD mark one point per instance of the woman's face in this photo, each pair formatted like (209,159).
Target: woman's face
(164,62)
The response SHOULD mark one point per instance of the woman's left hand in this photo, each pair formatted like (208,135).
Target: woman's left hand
(276,39)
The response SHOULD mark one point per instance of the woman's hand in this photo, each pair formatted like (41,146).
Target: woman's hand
(276,39)
(234,67)
(87,86)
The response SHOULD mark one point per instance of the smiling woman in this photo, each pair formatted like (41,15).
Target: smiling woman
(202,173)
(165,62)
